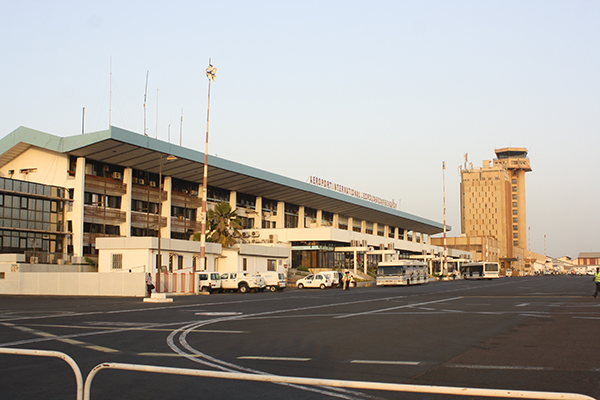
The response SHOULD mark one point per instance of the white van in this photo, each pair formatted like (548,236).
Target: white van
(209,282)
(335,277)
(274,280)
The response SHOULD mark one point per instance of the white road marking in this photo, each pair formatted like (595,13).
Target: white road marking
(502,367)
(385,362)
(218,314)
(396,308)
(272,358)
(522,305)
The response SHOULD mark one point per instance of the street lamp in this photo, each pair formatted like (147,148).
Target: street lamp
(159,261)
(211,74)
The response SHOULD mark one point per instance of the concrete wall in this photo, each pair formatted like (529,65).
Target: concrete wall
(73,284)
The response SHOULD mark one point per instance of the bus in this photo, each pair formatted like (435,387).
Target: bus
(479,270)
(401,272)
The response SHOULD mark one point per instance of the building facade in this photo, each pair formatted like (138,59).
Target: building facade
(117,183)
(493,204)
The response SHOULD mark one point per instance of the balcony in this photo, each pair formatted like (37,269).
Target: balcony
(145,192)
(186,200)
(98,184)
(145,220)
(180,224)
(101,215)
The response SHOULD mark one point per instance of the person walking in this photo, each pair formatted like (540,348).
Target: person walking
(597,281)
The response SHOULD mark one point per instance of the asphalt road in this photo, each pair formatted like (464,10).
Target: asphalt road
(532,333)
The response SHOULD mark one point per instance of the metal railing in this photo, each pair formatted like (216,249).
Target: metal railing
(55,354)
(84,392)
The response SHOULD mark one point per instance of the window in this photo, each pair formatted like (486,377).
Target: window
(514,188)
(271,266)
(244,264)
(516,243)
(515,235)
(514,204)
(515,212)
(515,227)
(514,181)
(117,261)
(514,196)
(515,220)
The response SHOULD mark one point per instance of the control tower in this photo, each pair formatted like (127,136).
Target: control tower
(515,161)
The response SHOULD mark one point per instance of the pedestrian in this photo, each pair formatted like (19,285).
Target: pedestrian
(149,284)
(454,274)
(346,280)
(597,281)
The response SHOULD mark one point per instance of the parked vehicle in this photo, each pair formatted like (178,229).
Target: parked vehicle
(274,280)
(209,282)
(480,270)
(334,276)
(401,272)
(244,283)
(314,281)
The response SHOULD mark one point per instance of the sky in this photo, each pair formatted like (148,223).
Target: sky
(372,95)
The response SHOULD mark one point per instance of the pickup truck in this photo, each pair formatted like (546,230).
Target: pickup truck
(241,282)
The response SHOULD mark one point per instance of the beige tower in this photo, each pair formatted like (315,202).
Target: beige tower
(493,203)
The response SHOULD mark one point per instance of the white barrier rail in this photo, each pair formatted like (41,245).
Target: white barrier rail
(56,354)
(395,387)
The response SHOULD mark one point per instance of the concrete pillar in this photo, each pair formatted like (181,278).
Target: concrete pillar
(233,199)
(363,226)
(336,220)
(319,218)
(280,223)
(125,227)
(301,222)
(165,232)
(77,214)
(258,216)
(350,224)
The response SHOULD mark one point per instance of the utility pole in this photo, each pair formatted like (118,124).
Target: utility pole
(211,74)
(445,267)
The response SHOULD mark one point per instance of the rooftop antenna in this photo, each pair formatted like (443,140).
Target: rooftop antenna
(110,96)
(156,131)
(181,128)
(145,95)
(83,122)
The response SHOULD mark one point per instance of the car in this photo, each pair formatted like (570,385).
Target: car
(334,276)
(242,282)
(209,282)
(274,280)
(314,281)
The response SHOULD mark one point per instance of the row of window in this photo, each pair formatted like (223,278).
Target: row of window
(31,188)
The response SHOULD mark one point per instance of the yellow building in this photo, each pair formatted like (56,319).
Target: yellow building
(493,203)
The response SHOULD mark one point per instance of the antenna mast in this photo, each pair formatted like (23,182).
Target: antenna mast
(145,94)
(110,96)
(156,130)
(181,128)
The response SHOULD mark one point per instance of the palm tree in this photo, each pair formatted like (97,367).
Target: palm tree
(223,225)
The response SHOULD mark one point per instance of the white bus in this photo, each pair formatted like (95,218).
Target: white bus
(479,270)
(401,272)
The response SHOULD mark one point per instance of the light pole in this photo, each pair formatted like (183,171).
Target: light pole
(445,266)
(211,74)
(159,261)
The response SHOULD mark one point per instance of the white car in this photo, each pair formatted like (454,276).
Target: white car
(209,282)
(314,281)
(274,280)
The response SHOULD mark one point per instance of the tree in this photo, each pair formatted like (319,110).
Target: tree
(223,225)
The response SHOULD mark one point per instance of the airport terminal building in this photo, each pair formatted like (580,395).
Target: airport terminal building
(58,195)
